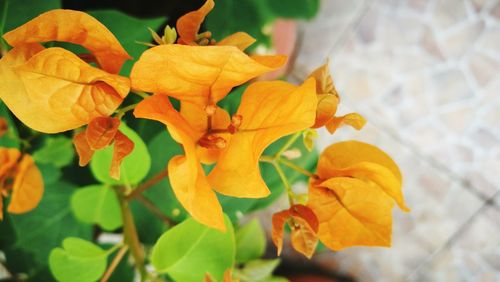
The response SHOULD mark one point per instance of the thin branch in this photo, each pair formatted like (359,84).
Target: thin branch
(154,209)
(288,143)
(297,168)
(146,185)
(114,263)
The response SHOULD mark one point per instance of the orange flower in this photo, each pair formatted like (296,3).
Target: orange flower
(268,111)
(328,100)
(354,194)
(188,27)
(19,176)
(64,91)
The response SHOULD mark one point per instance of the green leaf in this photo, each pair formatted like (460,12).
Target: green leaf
(250,242)
(294,9)
(133,168)
(39,231)
(97,204)
(77,261)
(190,250)
(57,151)
(20,12)
(50,173)
(230,16)
(258,270)
(10,138)
(129,31)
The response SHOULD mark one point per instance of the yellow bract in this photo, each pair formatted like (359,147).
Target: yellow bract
(20,177)
(269,110)
(53,90)
(198,74)
(354,194)
(351,213)
(75,27)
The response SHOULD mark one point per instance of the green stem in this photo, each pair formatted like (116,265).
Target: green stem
(121,112)
(130,234)
(288,188)
(143,95)
(287,145)
(5,7)
(297,168)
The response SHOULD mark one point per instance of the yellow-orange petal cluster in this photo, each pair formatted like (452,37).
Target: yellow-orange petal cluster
(328,100)
(53,90)
(19,177)
(268,111)
(100,133)
(357,187)
(303,224)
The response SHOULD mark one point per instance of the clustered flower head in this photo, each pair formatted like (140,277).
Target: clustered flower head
(53,90)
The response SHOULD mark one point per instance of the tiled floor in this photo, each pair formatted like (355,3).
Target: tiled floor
(426,75)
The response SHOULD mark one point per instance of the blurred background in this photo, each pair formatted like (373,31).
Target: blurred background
(426,75)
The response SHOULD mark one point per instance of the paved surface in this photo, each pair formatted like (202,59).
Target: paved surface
(426,75)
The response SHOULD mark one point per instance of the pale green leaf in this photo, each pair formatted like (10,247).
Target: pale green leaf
(250,242)
(97,204)
(57,151)
(190,250)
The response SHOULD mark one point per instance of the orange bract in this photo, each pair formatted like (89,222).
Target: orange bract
(27,185)
(101,132)
(189,24)
(123,146)
(75,27)
(269,111)
(304,226)
(185,172)
(63,91)
(363,161)
(83,149)
(351,212)
(328,100)
(198,74)
(4,126)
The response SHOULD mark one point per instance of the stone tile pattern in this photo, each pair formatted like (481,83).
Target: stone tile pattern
(426,75)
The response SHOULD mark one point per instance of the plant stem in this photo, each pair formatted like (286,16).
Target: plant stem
(114,263)
(121,112)
(297,168)
(146,185)
(144,95)
(154,209)
(287,145)
(288,188)
(130,233)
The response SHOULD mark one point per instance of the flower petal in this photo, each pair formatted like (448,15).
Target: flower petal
(269,110)
(327,107)
(345,154)
(365,162)
(82,148)
(355,120)
(189,24)
(123,146)
(63,91)
(186,175)
(27,189)
(101,131)
(75,27)
(304,225)
(198,74)
(351,213)
(241,40)
(8,159)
